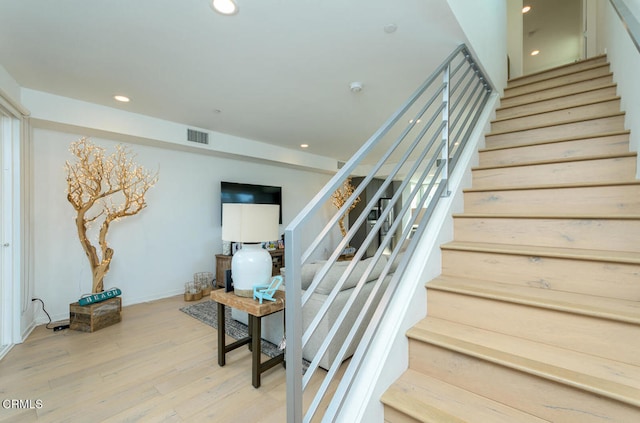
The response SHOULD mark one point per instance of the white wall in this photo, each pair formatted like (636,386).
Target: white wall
(158,250)
(514,37)
(485,25)
(625,62)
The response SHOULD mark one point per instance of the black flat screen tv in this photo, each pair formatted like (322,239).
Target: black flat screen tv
(233,192)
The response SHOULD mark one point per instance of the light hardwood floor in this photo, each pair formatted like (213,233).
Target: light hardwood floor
(158,364)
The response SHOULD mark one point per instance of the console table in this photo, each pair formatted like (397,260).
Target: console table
(256,312)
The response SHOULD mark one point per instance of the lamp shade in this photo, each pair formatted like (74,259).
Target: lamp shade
(250,222)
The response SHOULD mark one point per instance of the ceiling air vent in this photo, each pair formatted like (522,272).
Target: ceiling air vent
(197,136)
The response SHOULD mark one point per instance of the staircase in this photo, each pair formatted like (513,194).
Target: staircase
(536,315)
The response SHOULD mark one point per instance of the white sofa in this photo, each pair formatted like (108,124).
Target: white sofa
(320,296)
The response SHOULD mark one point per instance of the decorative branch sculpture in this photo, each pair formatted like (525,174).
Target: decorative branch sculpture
(115,185)
(339,198)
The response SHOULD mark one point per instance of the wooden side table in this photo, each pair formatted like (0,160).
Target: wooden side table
(256,312)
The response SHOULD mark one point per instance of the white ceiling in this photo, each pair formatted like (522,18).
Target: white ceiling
(278,71)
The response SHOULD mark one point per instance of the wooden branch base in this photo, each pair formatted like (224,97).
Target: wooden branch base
(96,316)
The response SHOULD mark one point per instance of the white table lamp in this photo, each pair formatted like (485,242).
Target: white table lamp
(250,224)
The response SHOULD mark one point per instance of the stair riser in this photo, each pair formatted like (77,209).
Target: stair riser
(556,91)
(556,103)
(614,170)
(568,130)
(557,116)
(605,279)
(585,147)
(601,234)
(565,70)
(539,397)
(613,200)
(565,330)
(579,76)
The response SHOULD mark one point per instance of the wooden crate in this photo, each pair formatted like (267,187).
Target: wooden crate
(93,317)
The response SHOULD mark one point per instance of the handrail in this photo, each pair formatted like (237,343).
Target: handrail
(629,21)
(336,313)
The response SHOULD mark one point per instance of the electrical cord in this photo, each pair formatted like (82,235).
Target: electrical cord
(55,328)
(45,311)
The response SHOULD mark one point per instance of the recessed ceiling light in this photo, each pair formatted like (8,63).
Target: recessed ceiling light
(535,52)
(356,87)
(390,28)
(304,145)
(526,9)
(225,7)
(122,98)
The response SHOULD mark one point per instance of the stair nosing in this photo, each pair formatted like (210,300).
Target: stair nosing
(521,363)
(558,140)
(558,161)
(587,103)
(549,252)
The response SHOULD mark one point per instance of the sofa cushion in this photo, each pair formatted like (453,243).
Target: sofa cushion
(338,269)
(308,271)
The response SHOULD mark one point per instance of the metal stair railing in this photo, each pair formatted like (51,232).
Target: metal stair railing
(401,172)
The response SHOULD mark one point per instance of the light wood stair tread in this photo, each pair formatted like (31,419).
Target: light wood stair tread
(587,305)
(513,83)
(549,125)
(576,92)
(558,160)
(555,252)
(519,98)
(556,140)
(430,400)
(568,67)
(532,115)
(597,375)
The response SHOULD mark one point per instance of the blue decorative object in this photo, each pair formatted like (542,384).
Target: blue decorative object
(265,292)
(101,296)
